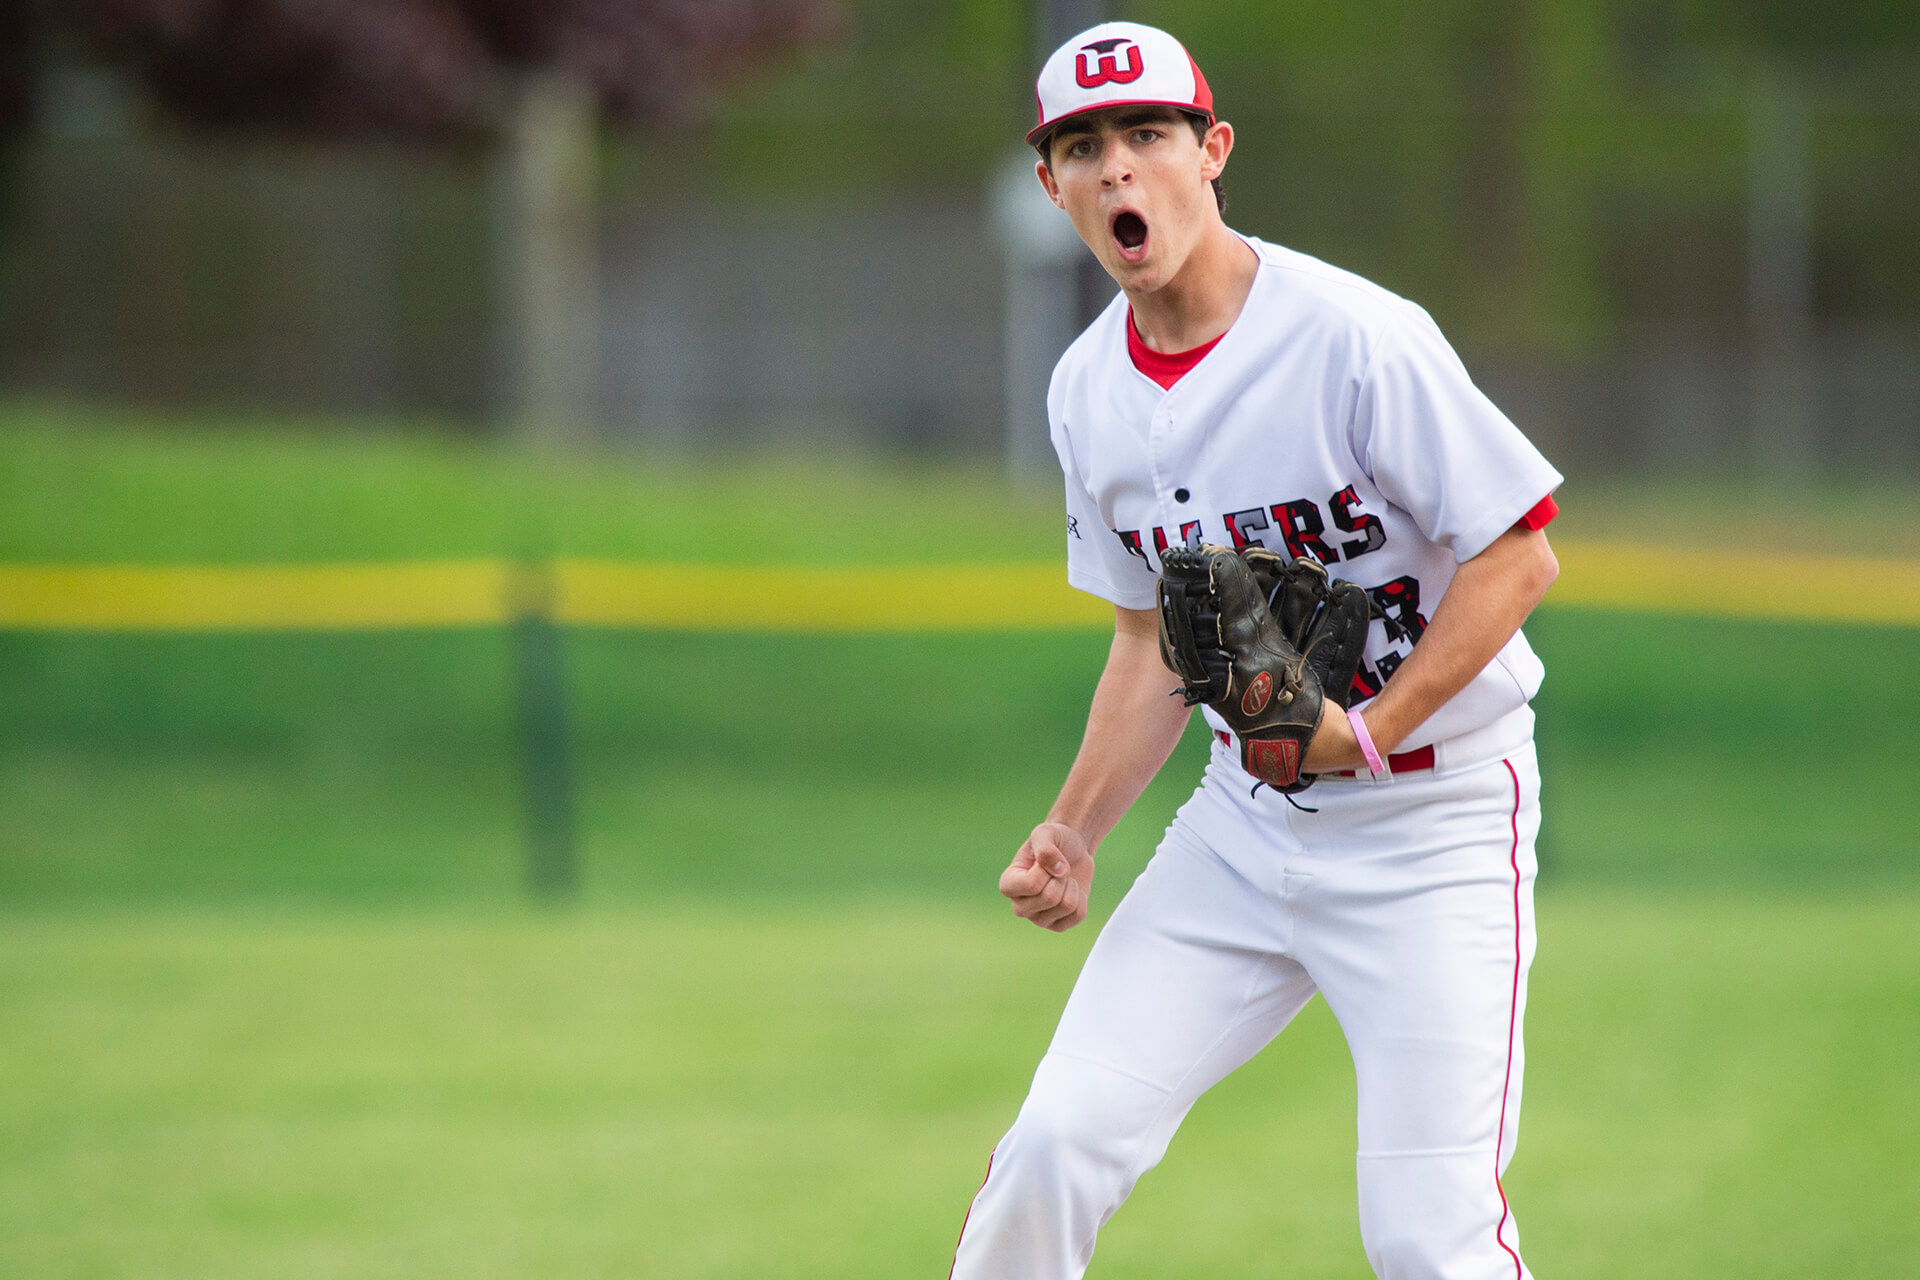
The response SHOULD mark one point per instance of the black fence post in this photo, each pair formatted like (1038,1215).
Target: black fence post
(546,749)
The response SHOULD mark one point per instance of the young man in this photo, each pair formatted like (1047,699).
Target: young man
(1237,393)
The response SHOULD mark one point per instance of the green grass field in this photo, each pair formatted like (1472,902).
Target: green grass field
(362,768)
(1719,1086)
(272,1003)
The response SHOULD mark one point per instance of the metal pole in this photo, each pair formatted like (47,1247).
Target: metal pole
(546,754)
(1780,269)
(1042,312)
(1059,19)
(545,260)
(1049,296)
(1092,287)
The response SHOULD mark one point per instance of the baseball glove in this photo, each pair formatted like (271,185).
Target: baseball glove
(1265,641)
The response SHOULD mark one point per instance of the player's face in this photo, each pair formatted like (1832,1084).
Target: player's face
(1135,182)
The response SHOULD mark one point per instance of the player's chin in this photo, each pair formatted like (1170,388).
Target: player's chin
(1126,275)
(1141,274)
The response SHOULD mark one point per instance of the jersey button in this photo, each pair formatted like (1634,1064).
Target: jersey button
(1180,495)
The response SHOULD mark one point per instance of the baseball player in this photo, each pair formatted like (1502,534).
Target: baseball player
(1239,393)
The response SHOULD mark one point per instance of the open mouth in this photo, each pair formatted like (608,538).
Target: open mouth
(1130,232)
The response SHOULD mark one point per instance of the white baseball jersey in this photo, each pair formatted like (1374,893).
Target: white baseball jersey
(1332,419)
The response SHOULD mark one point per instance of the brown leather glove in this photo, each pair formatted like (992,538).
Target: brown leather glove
(1267,671)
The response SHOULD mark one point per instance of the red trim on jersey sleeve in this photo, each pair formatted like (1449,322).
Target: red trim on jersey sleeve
(1163,367)
(1541,516)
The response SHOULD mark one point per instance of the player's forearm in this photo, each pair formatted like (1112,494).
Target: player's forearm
(1490,596)
(1132,727)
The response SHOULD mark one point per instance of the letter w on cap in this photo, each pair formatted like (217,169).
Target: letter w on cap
(1104,66)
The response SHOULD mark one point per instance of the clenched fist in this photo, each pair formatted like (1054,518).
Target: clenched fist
(1050,879)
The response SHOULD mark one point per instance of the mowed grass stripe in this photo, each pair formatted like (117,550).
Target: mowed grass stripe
(700,597)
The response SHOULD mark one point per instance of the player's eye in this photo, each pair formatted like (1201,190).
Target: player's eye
(1080,147)
(1144,136)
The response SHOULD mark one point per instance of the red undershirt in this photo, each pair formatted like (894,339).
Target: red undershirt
(1167,368)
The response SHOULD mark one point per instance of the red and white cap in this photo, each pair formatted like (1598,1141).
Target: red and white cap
(1118,64)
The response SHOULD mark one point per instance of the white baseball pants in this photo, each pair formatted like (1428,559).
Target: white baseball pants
(1408,905)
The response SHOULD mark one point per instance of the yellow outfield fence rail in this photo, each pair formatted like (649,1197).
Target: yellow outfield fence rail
(699,597)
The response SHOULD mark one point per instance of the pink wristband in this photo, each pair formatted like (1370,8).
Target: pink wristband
(1375,765)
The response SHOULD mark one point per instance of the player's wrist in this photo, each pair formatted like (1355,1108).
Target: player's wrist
(1075,838)
(1385,726)
(1375,758)
(1333,746)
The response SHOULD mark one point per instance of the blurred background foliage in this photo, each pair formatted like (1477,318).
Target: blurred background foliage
(1664,233)
(1535,173)
(423,70)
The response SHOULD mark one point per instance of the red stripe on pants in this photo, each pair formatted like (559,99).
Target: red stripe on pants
(1513,1016)
(969,1218)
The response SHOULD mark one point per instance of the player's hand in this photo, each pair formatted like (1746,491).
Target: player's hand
(1051,878)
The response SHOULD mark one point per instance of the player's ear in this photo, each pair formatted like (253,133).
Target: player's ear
(1216,146)
(1042,171)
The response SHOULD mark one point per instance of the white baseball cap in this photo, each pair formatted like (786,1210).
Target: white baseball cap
(1119,64)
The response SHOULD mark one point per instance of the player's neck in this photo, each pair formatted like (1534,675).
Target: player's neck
(1204,297)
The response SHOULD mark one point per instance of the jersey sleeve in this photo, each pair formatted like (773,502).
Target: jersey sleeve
(1437,448)
(1098,563)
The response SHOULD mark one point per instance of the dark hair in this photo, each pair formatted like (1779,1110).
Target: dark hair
(1200,124)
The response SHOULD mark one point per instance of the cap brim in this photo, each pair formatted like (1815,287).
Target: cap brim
(1038,132)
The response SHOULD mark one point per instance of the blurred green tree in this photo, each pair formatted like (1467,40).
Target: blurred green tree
(412,68)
